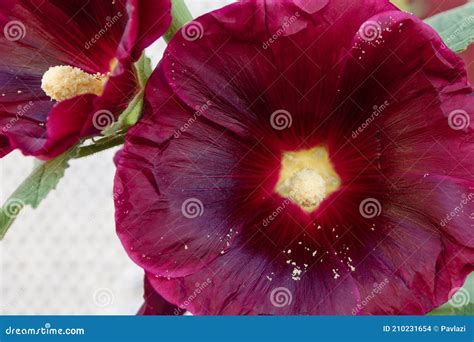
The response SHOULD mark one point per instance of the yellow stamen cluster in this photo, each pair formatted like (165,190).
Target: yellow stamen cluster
(307,177)
(64,82)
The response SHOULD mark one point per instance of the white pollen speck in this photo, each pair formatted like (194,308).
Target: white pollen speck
(314,253)
(289,251)
(336,275)
(185,246)
(295,274)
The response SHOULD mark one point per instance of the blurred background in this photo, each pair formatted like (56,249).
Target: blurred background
(64,257)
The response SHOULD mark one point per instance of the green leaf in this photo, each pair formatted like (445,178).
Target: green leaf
(404,5)
(461,303)
(450,310)
(100,145)
(181,16)
(456,26)
(128,118)
(144,70)
(132,113)
(44,178)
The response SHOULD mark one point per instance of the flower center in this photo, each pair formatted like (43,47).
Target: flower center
(307,177)
(64,82)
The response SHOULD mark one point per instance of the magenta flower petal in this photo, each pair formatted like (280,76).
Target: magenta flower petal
(152,19)
(155,304)
(63,120)
(184,234)
(357,90)
(5,147)
(98,37)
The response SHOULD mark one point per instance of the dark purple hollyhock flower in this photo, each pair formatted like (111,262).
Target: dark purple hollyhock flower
(66,68)
(302,157)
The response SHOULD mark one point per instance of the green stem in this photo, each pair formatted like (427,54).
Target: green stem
(86,151)
(181,16)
